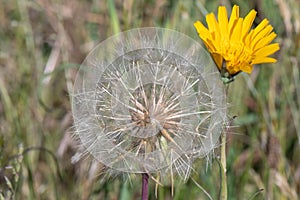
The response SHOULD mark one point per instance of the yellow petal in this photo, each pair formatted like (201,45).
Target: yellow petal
(267,50)
(210,45)
(260,27)
(211,22)
(268,29)
(201,29)
(265,41)
(232,69)
(248,38)
(236,34)
(218,60)
(223,21)
(263,60)
(247,23)
(213,27)
(247,68)
(204,35)
(233,18)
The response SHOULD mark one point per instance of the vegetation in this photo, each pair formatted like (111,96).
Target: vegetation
(43,43)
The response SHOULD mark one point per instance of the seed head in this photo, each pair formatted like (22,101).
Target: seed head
(148,100)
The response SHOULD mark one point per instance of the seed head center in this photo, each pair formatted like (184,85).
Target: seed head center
(155,108)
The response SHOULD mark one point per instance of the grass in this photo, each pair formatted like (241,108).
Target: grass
(44,42)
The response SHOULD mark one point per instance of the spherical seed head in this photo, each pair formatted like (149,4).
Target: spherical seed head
(147,99)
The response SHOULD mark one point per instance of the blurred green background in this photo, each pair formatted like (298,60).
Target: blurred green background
(43,43)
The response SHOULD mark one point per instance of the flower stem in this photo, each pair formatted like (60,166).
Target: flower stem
(223,193)
(145,178)
(223,165)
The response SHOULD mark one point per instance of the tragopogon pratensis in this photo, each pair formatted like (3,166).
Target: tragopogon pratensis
(150,101)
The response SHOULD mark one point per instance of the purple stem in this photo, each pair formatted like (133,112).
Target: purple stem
(145,186)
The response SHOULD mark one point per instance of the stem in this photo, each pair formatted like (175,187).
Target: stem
(145,178)
(223,165)
(223,195)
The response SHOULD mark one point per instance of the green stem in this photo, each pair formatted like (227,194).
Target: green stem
(223,194)
(223,166)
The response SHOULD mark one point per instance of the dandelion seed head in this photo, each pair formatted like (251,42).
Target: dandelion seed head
(148,100)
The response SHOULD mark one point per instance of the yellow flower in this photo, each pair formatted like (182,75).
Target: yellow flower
(234,47)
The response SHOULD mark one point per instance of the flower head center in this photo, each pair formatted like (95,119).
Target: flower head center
(236,55)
